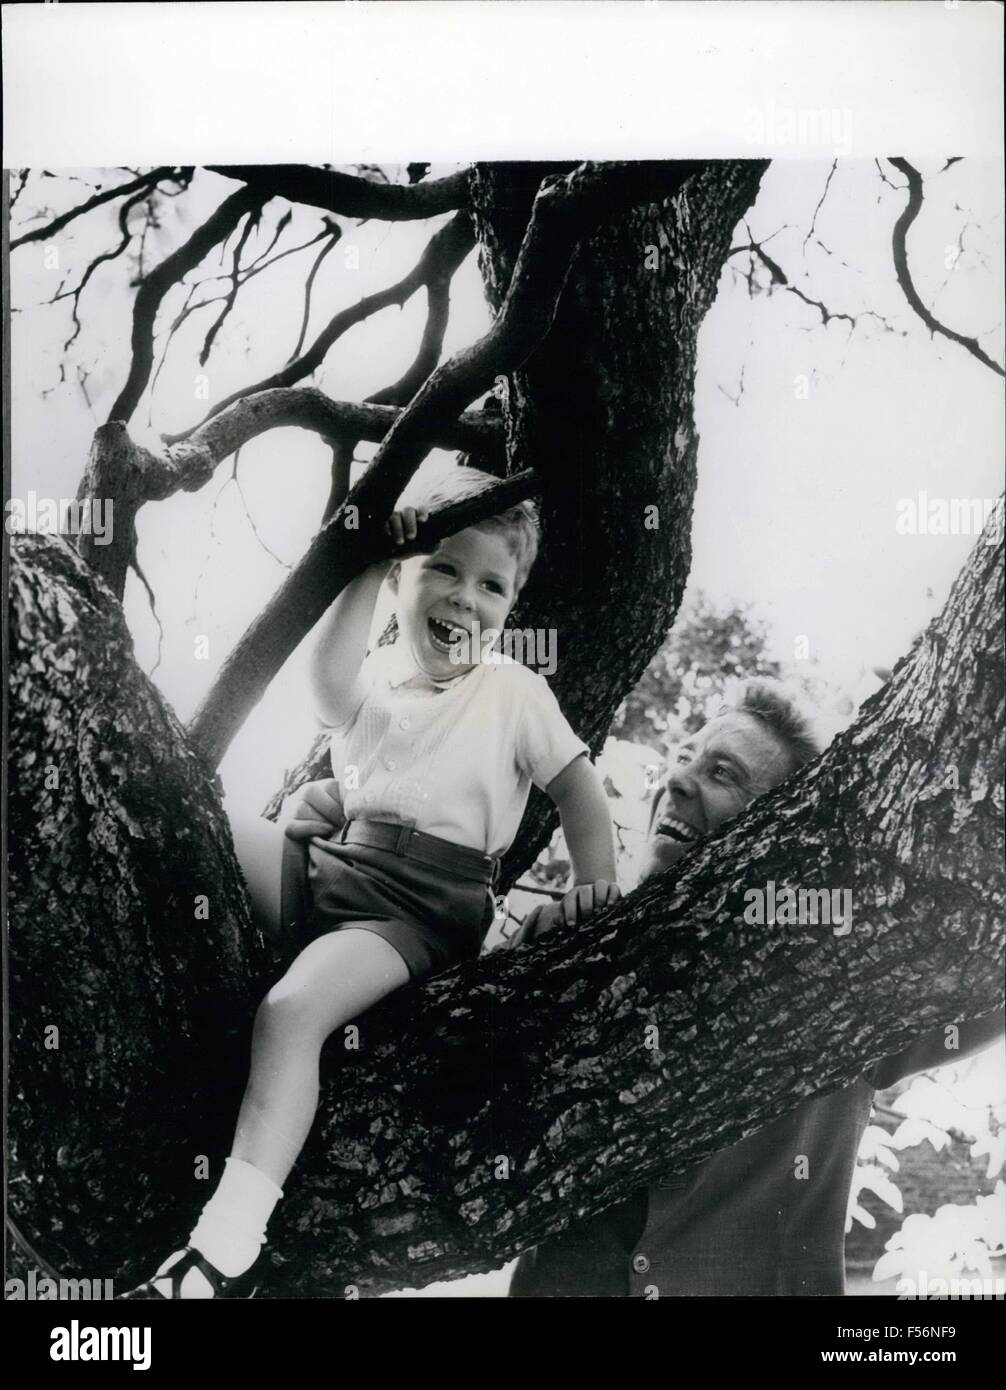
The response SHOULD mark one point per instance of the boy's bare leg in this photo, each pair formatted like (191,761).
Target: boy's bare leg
(335,979)
(259,846)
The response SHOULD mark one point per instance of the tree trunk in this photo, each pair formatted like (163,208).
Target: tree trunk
(116,836)
(486,1108)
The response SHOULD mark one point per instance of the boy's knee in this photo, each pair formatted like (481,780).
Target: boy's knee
(287,1007)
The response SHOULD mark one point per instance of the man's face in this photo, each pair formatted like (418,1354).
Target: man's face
(709,779)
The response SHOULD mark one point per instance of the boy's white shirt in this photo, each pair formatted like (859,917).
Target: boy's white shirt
(455,760)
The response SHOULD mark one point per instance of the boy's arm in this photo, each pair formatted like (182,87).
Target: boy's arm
(341,645)
(578,794)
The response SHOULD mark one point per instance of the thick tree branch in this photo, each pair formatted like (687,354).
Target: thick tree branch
(128,475)
(157,284)
(899,244)
(348,194)
(540,1056)
(488,1107)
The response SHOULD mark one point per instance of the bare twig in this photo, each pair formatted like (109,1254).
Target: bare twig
(445,250)
(252,222)
(885,179)
(899,243)
(157,284)
(145,182)
(820,202)
(126,238)
(780,279)
(330,244)
(278,231)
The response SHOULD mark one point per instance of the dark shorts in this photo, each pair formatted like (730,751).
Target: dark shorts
(431,917)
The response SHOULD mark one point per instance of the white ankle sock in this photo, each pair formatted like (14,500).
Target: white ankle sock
(230,1231)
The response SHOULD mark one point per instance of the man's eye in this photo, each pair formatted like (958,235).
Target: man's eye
(683,758)
(724,772)
(443,567)
(493,587)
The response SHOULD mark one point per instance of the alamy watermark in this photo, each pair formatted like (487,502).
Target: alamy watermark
(792,907)
(60,516)
(821,128)
(950,516)
(530,646)
(77,1343)
(924,1287)
(39,1287)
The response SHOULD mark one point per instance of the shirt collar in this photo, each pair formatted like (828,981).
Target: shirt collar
(402,669)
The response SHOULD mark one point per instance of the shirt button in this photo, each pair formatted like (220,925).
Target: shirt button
(390,764)
(404,723)
(640,1264)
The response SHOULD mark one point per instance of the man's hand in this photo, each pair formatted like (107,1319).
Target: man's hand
(577,907)
(317,810)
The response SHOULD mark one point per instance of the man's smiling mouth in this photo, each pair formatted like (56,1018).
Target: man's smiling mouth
(675,829)
(445,636)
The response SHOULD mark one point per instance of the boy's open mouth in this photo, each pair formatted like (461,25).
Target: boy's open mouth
(676,829)
(445,636)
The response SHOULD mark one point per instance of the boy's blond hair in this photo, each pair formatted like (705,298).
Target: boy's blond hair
(519,524)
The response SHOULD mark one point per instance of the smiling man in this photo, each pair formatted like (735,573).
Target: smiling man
(767,1215)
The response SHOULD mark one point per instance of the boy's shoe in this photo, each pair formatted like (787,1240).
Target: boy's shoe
(243,1286)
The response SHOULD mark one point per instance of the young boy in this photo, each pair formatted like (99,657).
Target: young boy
(434,748)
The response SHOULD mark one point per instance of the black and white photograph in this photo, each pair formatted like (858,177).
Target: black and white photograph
(504,727)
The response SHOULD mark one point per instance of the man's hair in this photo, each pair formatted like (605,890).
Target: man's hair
(781,711)
(518,524)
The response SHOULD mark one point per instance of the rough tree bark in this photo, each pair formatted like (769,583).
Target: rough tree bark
(486,1108)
